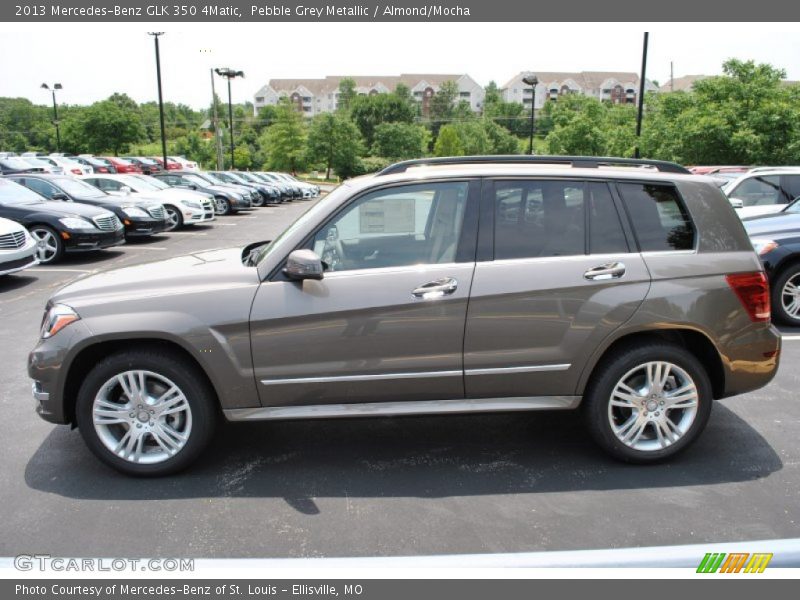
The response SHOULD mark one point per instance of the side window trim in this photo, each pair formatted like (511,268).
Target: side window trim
(467,239)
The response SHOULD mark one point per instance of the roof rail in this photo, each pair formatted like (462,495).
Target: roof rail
(582,162)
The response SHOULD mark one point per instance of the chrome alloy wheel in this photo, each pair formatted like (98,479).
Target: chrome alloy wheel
(790,297)
(653,406)
(221,206)
(46,244)
(173,218)
(142,417)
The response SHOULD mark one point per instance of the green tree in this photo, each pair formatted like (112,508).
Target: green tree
(347,92)
(109,125)
(368,112)
(443,101)
(448,142)
(335,140)
(400,141)
(284,142)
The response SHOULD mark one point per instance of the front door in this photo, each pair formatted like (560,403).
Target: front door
(387,321)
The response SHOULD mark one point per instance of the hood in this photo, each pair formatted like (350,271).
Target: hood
(191,274)
(65,209)
(774,225)
(132,199)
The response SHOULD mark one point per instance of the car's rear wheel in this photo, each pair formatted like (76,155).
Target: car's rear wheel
(786,296)
(174,217)
(49,246)
(222,206)
(146,413)
(648,402)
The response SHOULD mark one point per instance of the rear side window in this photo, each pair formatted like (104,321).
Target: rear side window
(538,218)
(605,230)
(659,219)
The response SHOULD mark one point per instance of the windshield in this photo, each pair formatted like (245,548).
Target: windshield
(16,163)
(310,216)
(137,184)
(78,188)
(196,179)
(13,193)
(151,181)
(211,178)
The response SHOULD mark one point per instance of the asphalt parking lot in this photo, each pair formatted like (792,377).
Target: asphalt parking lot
(403,486)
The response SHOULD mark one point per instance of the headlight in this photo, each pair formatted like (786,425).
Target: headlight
(133,211)
(762,247)
(76,223)
(55,319)
(190,204)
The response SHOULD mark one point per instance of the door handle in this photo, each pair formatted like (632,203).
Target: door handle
(436,289)
(613,270)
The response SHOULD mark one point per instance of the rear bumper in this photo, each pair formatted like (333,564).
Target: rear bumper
(751,360)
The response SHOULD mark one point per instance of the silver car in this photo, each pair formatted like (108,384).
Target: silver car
(626,289)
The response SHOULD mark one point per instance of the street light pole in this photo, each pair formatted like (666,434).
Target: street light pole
(531,80)
(56,86)
(230,74)
(217,137)
(641,94)
(156,35)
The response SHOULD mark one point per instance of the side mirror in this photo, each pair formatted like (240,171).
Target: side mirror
(303,264)
(59,197)
(736,202)
(193,187)
(125,190)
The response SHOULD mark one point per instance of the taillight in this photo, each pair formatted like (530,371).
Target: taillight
(753,292)
(76,172)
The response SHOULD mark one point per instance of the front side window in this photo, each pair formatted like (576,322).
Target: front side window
(400,226)
(538,218)
(41,187)
(659,219)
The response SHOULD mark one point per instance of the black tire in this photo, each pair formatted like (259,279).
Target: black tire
(607,374)
(175,214)
(222,206)
(184,374)
(38,231)
(259,202)
(779,312)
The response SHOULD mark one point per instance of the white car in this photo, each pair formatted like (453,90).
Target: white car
(186,165)
(17,247)
(71,167)
(183,207)
(763,190)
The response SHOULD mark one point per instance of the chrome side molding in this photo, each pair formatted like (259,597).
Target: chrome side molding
(391,409)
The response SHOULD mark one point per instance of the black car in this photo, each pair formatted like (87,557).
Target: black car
(229,178)
(15,164)
(140,217)
(100,165)
(227,199)
(59,227)
(147,165)
(270,191)
(776,238)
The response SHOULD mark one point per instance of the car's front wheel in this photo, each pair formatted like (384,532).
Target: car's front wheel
(648,402)
(49,246)
(174,217)
(146,412)
(222,206)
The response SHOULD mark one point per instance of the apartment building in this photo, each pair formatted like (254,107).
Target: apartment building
(612,86)
(315,96)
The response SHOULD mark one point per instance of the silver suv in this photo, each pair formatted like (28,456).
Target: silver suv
(626,289)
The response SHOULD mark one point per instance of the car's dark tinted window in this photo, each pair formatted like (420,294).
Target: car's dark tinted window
(791,183)
(40,187)
(605,230)
(659,219)
(536,218)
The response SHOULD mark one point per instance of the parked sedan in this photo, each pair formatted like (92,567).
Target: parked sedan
(148,166)
(17,248)
(259,197)
(141,218)
(16,164)
(59,227)
(776,238)
(227,200)
(270,192)
(171,164)
(122,165)
(99,165)
(183,207)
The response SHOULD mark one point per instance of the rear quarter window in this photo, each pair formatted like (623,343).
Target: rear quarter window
(660,220)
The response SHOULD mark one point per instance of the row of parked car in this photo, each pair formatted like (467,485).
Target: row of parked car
(44,215)
(87,164)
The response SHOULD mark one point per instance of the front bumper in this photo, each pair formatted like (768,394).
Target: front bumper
(82,242)
(143,226)
(18,259)
(202,215)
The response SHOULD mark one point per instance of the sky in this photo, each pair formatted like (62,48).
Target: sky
(92,61)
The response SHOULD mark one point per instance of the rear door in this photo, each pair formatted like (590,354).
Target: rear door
(557,272)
